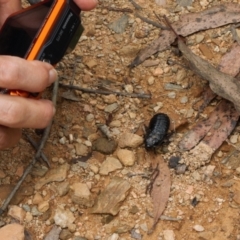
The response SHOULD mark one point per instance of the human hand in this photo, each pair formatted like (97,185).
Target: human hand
(31,76)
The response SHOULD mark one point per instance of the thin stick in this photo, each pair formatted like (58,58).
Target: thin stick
(87,90)
(155,24)
(37,155)
(35,145)
(137,6)
(115,9)
(159,19)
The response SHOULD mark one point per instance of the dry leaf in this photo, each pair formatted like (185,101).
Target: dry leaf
(221,83)
(160,187)
(226,122)
(218,126)
(230,62)
(224,116)
(208,96)
(214,17)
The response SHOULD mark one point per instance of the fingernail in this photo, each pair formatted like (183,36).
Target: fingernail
(52,75)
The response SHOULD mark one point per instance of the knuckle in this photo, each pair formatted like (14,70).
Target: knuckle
(43,74)
(14,113)
(46,115)
(9,72)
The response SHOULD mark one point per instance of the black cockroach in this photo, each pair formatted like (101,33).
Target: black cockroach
(157,130)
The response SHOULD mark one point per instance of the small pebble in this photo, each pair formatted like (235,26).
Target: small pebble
(199,38)
(184,100)
(168,235)
(157,72)
(129,88)
(172,95)
(115,236)
(234,139)
(220,154)
(63,140)
(198,228)
(90,117)
(151,80)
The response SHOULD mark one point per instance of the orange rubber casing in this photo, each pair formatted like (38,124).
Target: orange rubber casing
(45,31)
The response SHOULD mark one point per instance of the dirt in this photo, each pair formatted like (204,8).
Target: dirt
(208,196)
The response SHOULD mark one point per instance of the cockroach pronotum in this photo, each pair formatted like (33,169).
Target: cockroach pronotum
(157,130)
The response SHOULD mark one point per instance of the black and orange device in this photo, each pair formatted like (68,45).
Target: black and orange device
(45,31)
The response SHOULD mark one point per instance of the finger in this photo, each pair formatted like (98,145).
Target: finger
(9,136)
(32,76)
(18,112)
(86,4)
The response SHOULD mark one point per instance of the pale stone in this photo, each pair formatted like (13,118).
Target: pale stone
(28,217)
(91,63)
(81,149)
(63,217)
(17,213)
(168,235)
(157,72)
(198,228)
(126,157)
(151,80)
(63,188)
(94,168)
(130,140)
(81,194)
(234,139)
(43,206)
(37,198)
(58,174)
(129,88)
(109,165)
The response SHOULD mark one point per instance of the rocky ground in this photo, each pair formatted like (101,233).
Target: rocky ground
(96,186)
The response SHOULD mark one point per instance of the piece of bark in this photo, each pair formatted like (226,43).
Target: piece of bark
(188,24)
(111,198)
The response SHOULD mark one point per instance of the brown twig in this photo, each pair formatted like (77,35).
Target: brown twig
(155,24)
(160,20)
(115,9)
(36,157)
(137,6)
(87,90)
(35,145)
